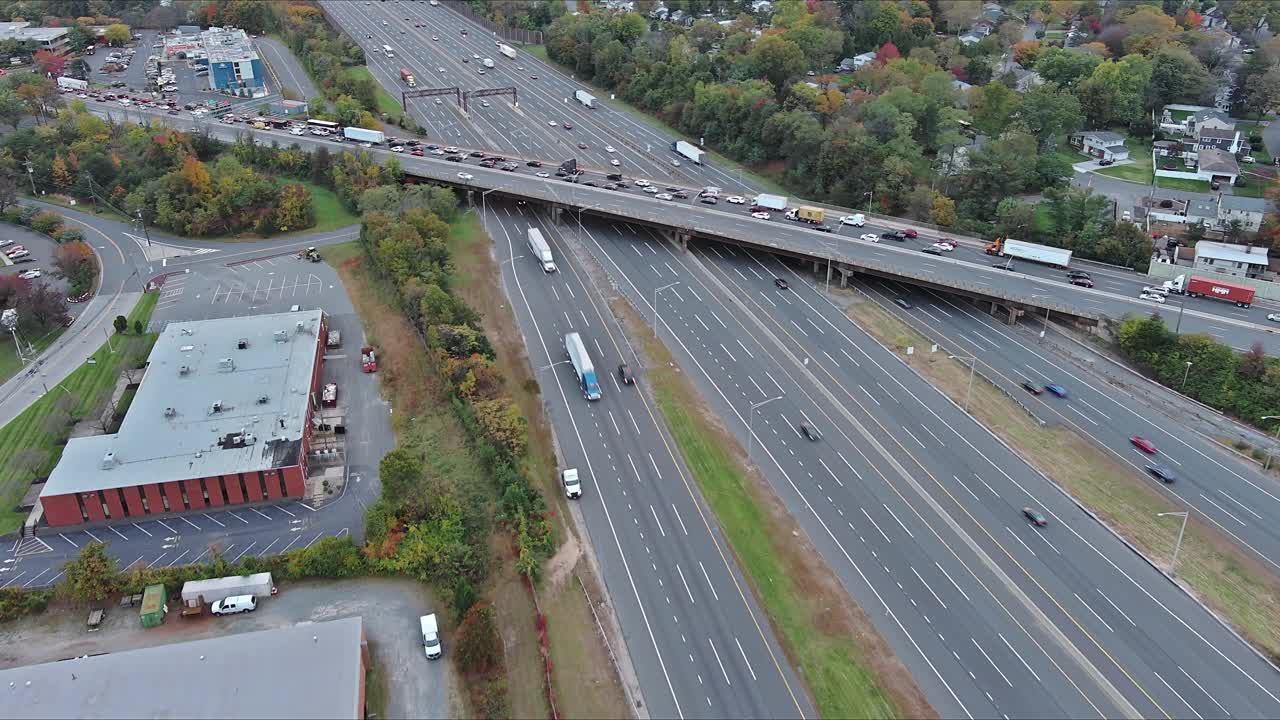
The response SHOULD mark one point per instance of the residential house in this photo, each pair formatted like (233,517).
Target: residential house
(1228,141)
(857,61)
(1025,79)
(1213,18)
(961,85)
(1234,260)
(1203,212)
(1249,211)
(1208,118)
(983,27)
(1101,144)
(1216,165)
(969,39)
(761,6)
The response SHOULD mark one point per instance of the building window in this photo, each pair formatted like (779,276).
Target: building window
(262,483)
(146,507)
(244,490)
(164,497)
(84,514)
(182,489)
(102,500)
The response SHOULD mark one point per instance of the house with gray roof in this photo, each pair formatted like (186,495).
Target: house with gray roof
(1101,144)
(1249,211)
(1233,260)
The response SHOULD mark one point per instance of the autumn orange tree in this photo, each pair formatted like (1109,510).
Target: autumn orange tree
(75,263)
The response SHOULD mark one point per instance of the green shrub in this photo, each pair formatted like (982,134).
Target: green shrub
(13,214)
(46,222)
(26,213)
(66,235)
(17,603)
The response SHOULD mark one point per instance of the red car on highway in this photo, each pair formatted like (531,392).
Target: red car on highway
(1143,444)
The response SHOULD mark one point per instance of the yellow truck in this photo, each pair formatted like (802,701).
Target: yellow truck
(807,213)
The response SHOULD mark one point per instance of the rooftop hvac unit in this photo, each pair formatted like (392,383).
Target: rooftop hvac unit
(226,364)
(170,412)
(187,348)
(242,344)
(263,399)
(281,336)
(215,407)
(186,331)
(108,461)
(184,370)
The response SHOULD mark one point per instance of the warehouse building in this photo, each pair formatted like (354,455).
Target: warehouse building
(232,60)
(222,417)
(315,670)
(53,39)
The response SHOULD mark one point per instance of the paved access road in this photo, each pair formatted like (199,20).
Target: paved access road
(918,508)
(700,644)
(1234,496)
(200,280)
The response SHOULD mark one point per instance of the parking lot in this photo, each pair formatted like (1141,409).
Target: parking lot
(416,687)
(40,257)
(134,77)
(263,285)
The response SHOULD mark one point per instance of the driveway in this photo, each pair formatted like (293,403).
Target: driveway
(1091,165)
(415,687)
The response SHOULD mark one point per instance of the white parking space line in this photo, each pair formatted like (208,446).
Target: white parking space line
(261,513)
(246,522)
(177,559)
(122,535)
(64,537)
(188,522)
(214,519)
(314,539)
(166,527)
(95,537)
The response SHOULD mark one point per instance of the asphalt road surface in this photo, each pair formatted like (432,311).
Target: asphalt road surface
(699,642)
(203,279)
(918,508)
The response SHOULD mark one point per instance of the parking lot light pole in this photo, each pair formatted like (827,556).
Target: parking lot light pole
(1177,546)
(751,414)
(655,304)
(1185,373)
(1271,454)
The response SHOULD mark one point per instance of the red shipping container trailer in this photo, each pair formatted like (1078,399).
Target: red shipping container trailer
(1241,295)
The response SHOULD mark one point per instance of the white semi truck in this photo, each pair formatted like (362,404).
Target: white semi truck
(767,203)
(507,50)
(688,150)
(586,98)
(1004,247)
(541,250)
(577,352)
(359,134)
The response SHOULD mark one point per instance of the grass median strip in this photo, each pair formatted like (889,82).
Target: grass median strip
(1230,582)
(31,445)
(849,669)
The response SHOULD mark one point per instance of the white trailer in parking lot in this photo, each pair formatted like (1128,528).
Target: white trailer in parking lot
(210,591)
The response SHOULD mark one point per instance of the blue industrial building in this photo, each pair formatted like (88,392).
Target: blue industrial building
(232,61)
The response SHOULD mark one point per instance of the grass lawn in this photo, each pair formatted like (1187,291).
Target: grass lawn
(83,387)
(1043,219)
(1233,584)
(1140,170)
(837,651)
(1254,189)
(9,365)
(1200,186)
(386,102)
(769,184)
(329,211)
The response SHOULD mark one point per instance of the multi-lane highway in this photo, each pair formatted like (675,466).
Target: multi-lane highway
(918,508)
(1235,497)
(700,643)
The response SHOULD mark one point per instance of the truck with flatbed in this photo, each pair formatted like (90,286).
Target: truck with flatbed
(587,99)
(1005,247)
(581,361)
(329,395)
(359,134)
(1241,295)
(768,203)
(407,77)
(688,150)
(368,360)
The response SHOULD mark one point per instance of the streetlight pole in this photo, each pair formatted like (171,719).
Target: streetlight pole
(143,222)
(1173,564)
(751,414)
(1185,373)
(655,304)
(870,194)
(1271,454)
(973,366)
(1182,306)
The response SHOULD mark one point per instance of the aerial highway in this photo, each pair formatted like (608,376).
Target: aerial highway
(701,645)
(926,504)
(1234,496)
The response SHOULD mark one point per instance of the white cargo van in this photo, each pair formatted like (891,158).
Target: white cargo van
(431,636)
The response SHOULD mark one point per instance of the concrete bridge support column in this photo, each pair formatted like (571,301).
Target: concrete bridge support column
(817,266)
(1014,314)
(681,240)
(556,211)
(844,276)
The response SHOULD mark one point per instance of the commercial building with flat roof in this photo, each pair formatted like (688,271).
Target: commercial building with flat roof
(222,417)
(53,39)
(232,60)
(306,671)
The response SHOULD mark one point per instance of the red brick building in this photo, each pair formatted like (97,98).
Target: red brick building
(222,417)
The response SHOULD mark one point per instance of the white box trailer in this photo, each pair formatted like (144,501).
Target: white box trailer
(586,98)
(688,150)
(541,250)
(1057,257)
(71,83)
(210,591)
(508,51)
(374,137)
(776,203)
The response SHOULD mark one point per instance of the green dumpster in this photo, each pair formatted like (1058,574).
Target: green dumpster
(153,606)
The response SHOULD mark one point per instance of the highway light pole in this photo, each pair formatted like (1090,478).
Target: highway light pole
(751,414)
(1181,307)
(145,232)
(1185,373)
(655,304)
(973,364)
(1271,453)
(1178,545)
